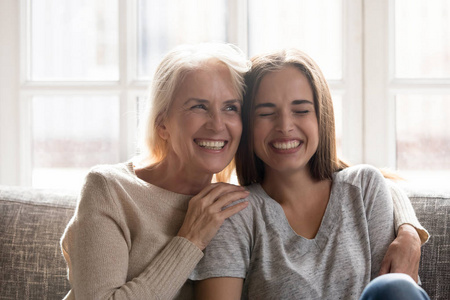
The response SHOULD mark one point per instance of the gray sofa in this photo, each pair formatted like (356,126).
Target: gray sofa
(32,222)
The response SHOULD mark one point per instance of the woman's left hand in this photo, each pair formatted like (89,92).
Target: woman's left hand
(403,254)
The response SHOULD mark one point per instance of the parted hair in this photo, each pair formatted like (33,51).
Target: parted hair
(324,162)
(169,75)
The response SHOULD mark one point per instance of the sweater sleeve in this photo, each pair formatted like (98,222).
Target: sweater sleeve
(96,246)
(404,212)
(380,216)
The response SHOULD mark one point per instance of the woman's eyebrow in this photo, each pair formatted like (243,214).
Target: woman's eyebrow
(298,102)
(267,104)
(196,100)
(232,101)
(203,101)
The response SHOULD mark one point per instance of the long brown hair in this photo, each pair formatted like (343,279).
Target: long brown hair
(249,168)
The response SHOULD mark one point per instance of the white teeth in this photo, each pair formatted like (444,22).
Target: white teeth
(213,145)
(286,145)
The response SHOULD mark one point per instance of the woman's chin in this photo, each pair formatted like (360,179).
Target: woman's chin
(214,169)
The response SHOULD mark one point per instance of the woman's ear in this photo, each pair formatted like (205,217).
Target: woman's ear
(161,127)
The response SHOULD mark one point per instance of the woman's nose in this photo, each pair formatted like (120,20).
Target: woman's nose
(284,123)
(215,122)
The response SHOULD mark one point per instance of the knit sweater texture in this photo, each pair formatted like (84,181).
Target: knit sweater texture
(122,244)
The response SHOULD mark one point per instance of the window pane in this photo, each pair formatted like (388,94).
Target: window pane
(164,24)
(141,116)
(422,39)
(423,132)
(74,40)
(337,105)
(70,135)
(312,26)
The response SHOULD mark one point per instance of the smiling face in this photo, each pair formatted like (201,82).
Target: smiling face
(203,127)
(286,133)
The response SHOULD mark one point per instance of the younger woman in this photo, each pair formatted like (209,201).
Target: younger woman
(315,228)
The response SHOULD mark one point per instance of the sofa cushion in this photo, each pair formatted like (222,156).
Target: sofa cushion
(32,266)
(33,221)
(433,211)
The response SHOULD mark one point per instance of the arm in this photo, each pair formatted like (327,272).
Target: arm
(403,255)
(404,212)
(97,244)
(380,217)
(220,288)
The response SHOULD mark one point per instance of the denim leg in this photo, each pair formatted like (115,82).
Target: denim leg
(393,286)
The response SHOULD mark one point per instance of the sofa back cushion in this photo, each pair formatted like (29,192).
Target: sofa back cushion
(32,223)
(433,212)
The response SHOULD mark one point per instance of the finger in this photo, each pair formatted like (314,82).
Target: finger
(406,270)
(229,211)
(227,199)
(385,266)
(219,190)
(206,190)
(416,273)
(202,196)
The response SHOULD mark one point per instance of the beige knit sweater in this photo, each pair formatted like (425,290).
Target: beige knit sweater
(121,242)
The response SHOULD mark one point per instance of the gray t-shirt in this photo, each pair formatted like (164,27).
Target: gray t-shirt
(259,245)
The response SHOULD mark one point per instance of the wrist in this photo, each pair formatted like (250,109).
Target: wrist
(191,239)
(409,231)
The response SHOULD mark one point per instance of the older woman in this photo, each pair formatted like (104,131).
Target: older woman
(138,232)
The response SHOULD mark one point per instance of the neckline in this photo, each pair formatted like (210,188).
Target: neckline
(329,219)
(130,166)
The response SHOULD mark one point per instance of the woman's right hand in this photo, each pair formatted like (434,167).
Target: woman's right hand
(206,212)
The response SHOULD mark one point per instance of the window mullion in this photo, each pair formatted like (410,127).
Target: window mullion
(379,113)
(238,23)
(126,9)
(352,139)
(9,82)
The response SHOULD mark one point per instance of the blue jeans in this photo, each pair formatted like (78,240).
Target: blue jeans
(393,286)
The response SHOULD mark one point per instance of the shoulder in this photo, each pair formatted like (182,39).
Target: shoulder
(109,174)
(253,210)
(111,171)
(258,199)
(359,175)
(260,210)
(104,184)
(364,182)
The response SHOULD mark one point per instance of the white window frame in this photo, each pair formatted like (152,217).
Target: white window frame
(381,86)
(126,89)
(367,87)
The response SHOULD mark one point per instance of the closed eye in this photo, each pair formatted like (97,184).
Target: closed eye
(265,114)
(265,109)
(301,112)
